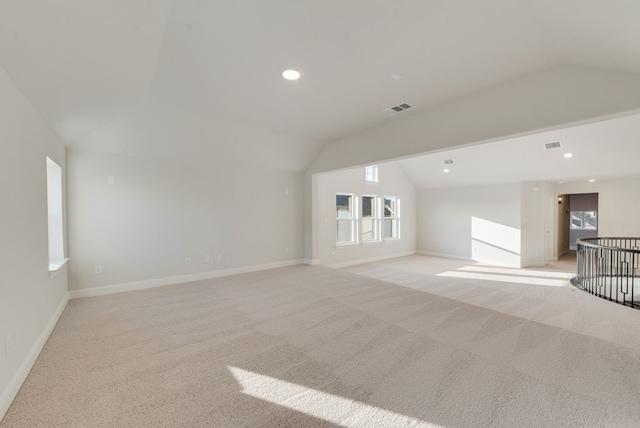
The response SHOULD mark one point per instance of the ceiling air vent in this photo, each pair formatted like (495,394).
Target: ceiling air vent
(554,145)
(397,109)
(448,161)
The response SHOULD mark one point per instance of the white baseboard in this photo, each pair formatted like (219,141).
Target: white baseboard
(9,394)
(371,259)
(159,282)
(443,255)
(311,262)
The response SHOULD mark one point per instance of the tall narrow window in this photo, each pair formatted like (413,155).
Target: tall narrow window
(54,208)
(346,219)
(370,218)
(371,173)
(391,217)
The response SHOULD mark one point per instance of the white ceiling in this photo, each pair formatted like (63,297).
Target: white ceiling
(109,74)
(600,150)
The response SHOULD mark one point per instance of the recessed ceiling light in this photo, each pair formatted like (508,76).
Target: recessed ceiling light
(592,180)
(291,74)
(396,76)
(568,155)
(446,170)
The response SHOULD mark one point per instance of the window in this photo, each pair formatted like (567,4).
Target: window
(54,209)
(370,218)
(371,173)
(391,217)
(346,219)
(584,220)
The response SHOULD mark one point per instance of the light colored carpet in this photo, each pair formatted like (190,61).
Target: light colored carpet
(543,294)
(314,346)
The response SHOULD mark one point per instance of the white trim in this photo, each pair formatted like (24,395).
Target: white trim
(347,245)
(371,259)
(376,218)
(374,169)
(172,280)
(311,262)
(60,264)
(18,378)
(444,255)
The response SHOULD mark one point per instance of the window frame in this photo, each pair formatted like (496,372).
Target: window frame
(396,217)
(581,215)
(55,216)
(376,219)
(352,218)
(371,174)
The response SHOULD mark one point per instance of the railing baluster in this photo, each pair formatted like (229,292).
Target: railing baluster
(608,267)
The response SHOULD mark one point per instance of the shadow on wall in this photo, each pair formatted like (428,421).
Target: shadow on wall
(494,243)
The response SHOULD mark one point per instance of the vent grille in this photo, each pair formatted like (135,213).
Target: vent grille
(551,146)
(397,109)
(448,161)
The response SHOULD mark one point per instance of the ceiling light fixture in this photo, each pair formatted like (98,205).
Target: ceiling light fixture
(446,170)
(568,155)
(291,74)
(592,180)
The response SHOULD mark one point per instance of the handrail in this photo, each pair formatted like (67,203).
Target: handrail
(588,242)
(608,268)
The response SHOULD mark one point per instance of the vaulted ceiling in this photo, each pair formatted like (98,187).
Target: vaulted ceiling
(186,76)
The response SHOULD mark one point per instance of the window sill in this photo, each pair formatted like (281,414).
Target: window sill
(347,245)
(391,239)
(56,265)
(367,243)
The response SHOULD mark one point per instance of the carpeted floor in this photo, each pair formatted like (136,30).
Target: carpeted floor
(315,346)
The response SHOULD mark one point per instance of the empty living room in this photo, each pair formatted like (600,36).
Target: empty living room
(319,214)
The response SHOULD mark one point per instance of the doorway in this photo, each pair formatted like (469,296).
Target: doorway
(577,219)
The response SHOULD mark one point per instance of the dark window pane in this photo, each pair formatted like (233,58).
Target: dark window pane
(367,206)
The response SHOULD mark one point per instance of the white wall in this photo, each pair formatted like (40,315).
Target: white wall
(392,182)
(618,204)
(445,225)
(30,300)
(536,228)
(158,213)
(554,98)
(479,223)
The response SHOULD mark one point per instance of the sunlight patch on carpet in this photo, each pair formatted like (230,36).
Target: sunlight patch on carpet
(329,407)
(506,278)
(518,272)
